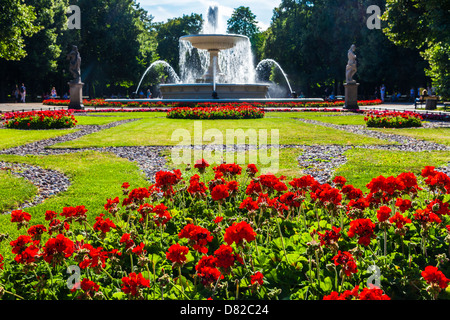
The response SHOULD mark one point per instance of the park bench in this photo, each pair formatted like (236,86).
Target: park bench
(430,102)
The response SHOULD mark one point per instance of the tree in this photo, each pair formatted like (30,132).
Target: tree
(169,33)
(423,25)
(243,22)
(310,40)
(17,21)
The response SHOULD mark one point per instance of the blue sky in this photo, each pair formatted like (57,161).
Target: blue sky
(166,9)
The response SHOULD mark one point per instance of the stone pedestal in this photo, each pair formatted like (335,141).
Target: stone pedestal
(76,95)
(351,95)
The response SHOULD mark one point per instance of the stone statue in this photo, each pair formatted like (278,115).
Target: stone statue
(75,62)
(351,65)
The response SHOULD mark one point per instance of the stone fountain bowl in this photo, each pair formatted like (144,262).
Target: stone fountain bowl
(214,41)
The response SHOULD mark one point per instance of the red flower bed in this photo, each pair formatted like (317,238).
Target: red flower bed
(393,119)
(241,235)
(233,111)
(39,119)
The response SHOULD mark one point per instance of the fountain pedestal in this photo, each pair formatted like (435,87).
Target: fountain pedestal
(351,95)
(205,91)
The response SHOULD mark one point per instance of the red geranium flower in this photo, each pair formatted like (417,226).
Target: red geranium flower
(111,205)
(198,237)
(126,238)
(58,248)
(162,216)
(20,216)
(364,228)
(339,181)
(373,293)
(103,225)
(383,213)
(224,257)
(439,207)
(403,204)
(345,259)
(134,283)
(435,278)
(36,231)
(219,192)
(330,237)
(257,278)
(251,170)
(249,204)
(351,193)
(77,213)
(89,287)
(201,165)
(238,232)
(399,220)
(228,169)
(177,254)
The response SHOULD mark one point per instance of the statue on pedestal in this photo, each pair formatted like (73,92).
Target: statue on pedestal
(351,65)
(75,85)
(75,63)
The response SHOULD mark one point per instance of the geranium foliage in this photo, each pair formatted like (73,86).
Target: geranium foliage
(240,235)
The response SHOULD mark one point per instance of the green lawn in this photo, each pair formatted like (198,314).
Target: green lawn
(328,117)
(14,191)
(12,137)
(94,178)
(162,131)
(365,164)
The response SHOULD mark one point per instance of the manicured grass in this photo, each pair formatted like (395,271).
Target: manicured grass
(438,135)
(133,114)
(94,177)
(96,120)
(365,164)
(157,131)
(328,117)
(12,138)
(14,191)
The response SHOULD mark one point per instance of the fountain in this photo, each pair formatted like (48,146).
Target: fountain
(217,50)
(213,65)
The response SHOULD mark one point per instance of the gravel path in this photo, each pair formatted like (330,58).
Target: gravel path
(48,182)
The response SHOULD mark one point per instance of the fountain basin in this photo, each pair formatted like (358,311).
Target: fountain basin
(224,90)
(214,41)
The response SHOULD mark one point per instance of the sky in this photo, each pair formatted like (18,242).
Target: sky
(162,10)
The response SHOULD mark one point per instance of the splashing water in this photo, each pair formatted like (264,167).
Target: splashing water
(265,62)
(173,77)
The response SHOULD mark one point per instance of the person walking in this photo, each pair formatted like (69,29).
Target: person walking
(383,92)
(412,95)
(23,92)
(53,92)
(17,94)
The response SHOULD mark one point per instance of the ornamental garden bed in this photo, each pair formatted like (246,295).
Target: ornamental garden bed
(232,233)
(393,119)
(32,120)
(242,111)
(163,104)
